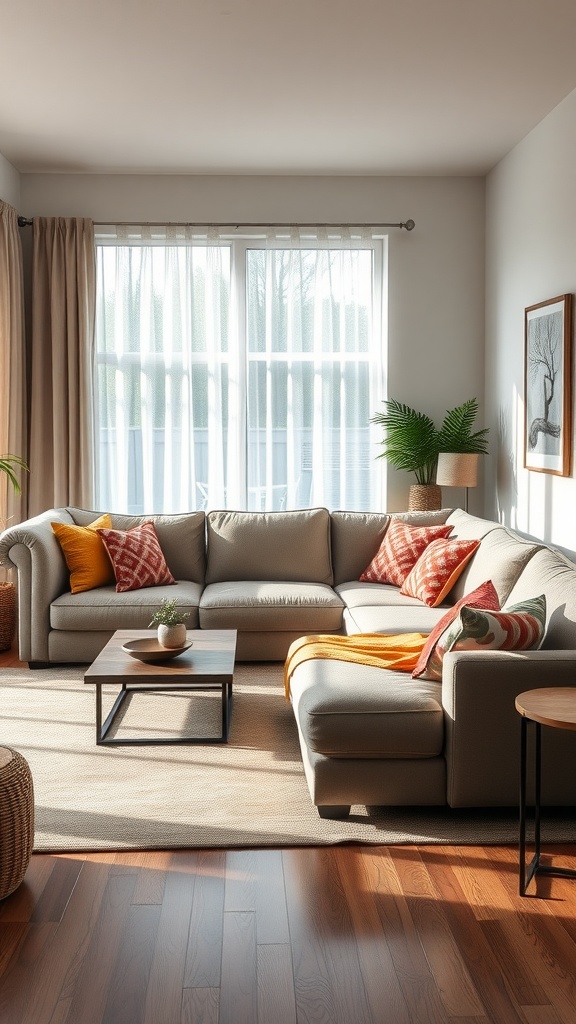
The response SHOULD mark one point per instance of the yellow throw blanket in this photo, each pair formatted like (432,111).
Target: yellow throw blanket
(400,651)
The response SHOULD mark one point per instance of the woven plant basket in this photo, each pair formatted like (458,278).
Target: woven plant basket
(17,818)
(7,615)
(424,498)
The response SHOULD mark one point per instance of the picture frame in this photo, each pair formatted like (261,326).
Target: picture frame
(548,386)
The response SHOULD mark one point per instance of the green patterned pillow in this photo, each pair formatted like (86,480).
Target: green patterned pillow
(520,627)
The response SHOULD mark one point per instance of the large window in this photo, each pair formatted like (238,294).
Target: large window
(237,372)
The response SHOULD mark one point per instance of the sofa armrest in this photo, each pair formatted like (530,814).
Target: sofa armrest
(482,726)
(42,575)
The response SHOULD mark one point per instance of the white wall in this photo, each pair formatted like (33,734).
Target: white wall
(9,183)
(530,257)
(436,283)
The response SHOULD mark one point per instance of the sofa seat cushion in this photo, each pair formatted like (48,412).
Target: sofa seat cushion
(395,619)
(106,609)
(350,710)
(381,608)
(263,605)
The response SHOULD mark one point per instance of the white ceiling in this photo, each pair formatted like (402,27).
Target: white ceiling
(278,86)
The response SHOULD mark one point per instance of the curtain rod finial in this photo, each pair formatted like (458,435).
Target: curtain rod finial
(409,225)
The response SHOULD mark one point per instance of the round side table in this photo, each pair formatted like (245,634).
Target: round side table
(16,819)
(553,706)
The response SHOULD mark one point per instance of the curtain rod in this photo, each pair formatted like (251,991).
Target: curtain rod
(25,222)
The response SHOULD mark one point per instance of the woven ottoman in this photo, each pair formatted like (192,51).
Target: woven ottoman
(16,819)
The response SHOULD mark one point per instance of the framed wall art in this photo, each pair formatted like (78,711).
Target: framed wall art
(547,386)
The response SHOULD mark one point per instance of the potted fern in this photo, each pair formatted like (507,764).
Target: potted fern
(412,442)
(9,465)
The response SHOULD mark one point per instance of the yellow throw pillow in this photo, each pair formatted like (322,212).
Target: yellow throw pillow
(85,554)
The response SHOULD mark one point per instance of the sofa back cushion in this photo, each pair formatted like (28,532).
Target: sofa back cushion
(501,556)
(291,546)
(357,536)
(553,575)
(181,537)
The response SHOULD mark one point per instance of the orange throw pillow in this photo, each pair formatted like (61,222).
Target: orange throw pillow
(437,570)
(85,554)
(399,551)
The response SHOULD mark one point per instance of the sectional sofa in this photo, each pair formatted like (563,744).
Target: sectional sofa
(368,735)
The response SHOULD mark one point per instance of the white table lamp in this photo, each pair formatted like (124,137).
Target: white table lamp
(457,469)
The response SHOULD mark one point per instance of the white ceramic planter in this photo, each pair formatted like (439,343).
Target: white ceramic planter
(172,636)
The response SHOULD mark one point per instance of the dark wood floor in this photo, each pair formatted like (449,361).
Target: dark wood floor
(337,935)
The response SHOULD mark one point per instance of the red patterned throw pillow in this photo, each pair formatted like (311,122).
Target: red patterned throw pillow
(437,570)
(136,557)
(429,664)
(399,551)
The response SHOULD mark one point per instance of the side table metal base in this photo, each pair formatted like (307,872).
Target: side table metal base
(534,867)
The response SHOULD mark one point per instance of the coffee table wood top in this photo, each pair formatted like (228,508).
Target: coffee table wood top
(550,705)
(209,660)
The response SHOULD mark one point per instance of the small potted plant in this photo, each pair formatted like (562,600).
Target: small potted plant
(412,442)
(170,620)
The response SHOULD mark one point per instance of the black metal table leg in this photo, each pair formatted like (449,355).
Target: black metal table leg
(528,871)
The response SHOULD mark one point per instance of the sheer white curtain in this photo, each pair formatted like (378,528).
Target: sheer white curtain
(237,371)
(167,418)
(314,368)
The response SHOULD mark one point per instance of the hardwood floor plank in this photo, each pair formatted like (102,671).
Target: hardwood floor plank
(276,1003)
(22,973)
(54,899)
(204,955)
(238,988)
(255,881)
(21,904)
(12,934)
(200,1005)
(166,979)
(482,960)
(450,973)
(328,980)
(152,877)
(128,985)
(62,958)
(91,988)
(412,968)
(376,963)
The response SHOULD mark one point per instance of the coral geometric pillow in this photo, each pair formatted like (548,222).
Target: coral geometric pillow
(137,557)
(429,664)
(399,551)
(518,628)
(85,554)
(437,570)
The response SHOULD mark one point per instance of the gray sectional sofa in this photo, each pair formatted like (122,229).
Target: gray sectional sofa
(368,735)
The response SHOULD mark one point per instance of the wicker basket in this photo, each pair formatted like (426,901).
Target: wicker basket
(17,819)
(425,498)
(7,615)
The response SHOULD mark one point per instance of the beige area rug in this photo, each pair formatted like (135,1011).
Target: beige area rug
(248,792)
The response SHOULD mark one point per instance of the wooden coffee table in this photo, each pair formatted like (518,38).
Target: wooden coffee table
(207,665)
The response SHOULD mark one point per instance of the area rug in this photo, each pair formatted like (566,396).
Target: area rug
(248,792)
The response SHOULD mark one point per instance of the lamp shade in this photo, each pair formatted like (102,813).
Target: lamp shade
(457,469)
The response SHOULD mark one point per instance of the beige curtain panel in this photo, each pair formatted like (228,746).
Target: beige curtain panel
(13,508)
(63,311)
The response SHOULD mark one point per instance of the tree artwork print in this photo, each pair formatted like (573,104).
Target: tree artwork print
(547,372)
